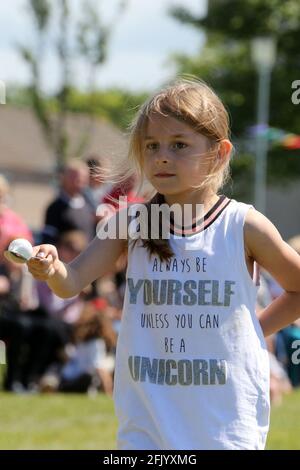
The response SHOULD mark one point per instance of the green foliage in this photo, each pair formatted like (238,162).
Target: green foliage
(242,19)
(225,63)
(117,106)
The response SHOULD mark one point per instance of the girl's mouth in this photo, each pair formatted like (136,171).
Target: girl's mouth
(164,175)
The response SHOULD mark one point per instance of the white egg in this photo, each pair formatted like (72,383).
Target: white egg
(21,247)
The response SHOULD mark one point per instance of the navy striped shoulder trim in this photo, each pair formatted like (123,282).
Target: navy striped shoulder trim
(203,223)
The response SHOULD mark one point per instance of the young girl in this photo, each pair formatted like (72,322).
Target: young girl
(192,366)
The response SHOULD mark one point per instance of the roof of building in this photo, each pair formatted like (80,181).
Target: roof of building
(24,149)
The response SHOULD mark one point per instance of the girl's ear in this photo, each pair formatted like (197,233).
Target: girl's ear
(225,148)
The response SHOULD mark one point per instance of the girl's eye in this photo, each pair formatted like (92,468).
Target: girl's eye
(179,145)
(152,146)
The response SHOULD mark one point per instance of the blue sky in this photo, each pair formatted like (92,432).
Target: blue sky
(142,42)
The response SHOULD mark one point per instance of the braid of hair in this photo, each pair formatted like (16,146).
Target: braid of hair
(159,246)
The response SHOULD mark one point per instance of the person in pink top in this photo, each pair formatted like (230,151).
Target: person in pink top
(11,224)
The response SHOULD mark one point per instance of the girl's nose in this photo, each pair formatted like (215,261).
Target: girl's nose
(162,156)
(162,160)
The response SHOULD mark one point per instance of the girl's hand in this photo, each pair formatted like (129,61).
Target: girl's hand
(44,261)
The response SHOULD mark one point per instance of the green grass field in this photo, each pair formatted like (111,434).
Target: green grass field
(82,422)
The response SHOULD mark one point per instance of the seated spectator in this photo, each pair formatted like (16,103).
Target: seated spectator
(91,364)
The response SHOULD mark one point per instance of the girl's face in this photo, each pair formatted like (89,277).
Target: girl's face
(175,156)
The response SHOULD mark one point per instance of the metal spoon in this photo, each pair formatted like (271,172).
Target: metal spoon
(15,257)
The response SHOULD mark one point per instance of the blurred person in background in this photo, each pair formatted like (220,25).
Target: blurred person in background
(34,322)
(17,298)
(96,189)
(11,224)
(128,189)
(58,315)
(90,365)
(70,210)
(16,293)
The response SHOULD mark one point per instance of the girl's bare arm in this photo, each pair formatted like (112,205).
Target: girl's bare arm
(265,245)
(67,280)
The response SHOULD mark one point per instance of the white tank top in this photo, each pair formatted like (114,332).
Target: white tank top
(192,369)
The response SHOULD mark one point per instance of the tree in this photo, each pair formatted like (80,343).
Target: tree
(88,39)
(116,105)
(225,63)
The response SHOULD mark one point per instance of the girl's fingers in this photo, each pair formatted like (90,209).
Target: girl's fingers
(43,272)
(41,265)
(43,251)
(36,250)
